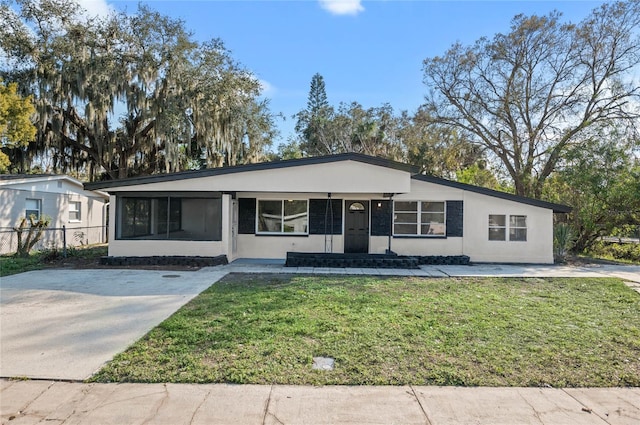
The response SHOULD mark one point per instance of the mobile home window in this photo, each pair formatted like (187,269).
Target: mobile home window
(74,211)
(283,217)
(33,207)
(422,218)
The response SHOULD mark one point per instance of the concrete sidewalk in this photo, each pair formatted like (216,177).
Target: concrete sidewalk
(46,402)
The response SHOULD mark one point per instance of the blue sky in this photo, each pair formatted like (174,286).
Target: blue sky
(367,51)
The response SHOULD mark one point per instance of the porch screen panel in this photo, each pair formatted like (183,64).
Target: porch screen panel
(170,218)
(135,220)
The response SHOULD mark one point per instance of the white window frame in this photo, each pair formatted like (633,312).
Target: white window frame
(39,209)
(508,228)
(498,227)
(419,223)
(282,218)
(513,227)
(77,204)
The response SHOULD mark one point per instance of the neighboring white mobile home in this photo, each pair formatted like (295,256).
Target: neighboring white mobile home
(60,198)
(347,203)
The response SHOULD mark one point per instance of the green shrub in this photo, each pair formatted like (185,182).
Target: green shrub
(616,251)
(563,237)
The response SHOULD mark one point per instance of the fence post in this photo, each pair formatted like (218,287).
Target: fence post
(64,241)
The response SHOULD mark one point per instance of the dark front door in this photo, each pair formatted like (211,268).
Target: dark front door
(356,224)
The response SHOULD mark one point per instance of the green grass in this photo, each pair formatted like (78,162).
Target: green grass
(12,265)
(494,332)
(80,256)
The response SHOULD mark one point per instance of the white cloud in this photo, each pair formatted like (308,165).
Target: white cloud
(93,8)
(267,88)
(342,7)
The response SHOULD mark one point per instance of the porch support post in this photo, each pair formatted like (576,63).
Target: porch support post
(389,251)
(328,226)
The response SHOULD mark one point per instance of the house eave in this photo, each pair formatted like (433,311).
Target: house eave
(133,181)
(557,208)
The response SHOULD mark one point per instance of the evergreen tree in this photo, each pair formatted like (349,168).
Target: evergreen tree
(314,123)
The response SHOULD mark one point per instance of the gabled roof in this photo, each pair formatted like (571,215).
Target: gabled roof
(8,179)
(366,159)
(4,177)
(557,208)
(16,179)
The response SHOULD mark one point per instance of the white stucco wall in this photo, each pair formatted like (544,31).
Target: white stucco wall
(252,246)
(537,249)
(344,176)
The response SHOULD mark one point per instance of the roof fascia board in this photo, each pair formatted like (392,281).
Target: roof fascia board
(38,179)
(253,167)
(557,208)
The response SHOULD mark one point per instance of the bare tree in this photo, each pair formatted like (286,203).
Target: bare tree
(531,94)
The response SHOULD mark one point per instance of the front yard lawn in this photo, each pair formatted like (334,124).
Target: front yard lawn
(80,257)
(265,329)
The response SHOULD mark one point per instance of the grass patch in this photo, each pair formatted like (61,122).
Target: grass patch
(395,331)
(77,256)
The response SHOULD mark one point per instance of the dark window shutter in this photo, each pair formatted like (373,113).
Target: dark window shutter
(317,214)
(246,216)
(455,218)
(380,217)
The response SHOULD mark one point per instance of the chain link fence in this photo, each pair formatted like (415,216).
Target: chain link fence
(54,237)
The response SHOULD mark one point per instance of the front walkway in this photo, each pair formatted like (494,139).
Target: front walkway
(627,272)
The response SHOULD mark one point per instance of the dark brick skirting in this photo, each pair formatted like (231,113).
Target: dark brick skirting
(165,261)
(443,260)
(383,261)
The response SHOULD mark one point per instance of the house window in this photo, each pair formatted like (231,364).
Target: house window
(74,211)
(497,227)
(169,218)
(416,218)
(283,216)
(33,208)
(518,228)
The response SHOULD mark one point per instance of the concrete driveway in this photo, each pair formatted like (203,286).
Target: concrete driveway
(66,324)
